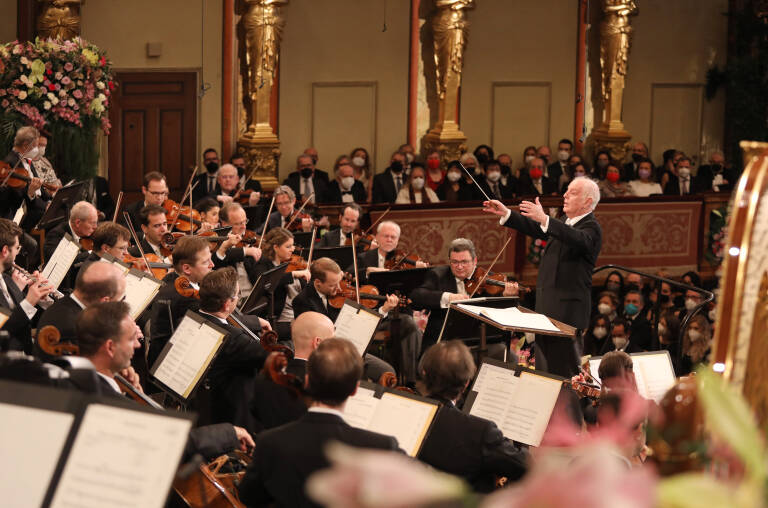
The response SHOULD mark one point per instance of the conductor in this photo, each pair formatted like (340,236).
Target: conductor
(565,272)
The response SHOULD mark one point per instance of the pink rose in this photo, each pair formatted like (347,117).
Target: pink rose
(2,92)
(68,66)
(65,80)
(77,94)
(4,103)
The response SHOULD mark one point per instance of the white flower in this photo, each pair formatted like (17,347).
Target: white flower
(24,60)
(100,85)
(22,95)
(47,105)
(62,92)
(50,96)
(102,97)
(71,102)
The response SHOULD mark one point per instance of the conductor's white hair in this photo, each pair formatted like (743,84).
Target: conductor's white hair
(388,223)
(591,190)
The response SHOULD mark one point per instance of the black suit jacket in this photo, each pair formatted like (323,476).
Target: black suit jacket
(11,199)
(201,189)
(18,326)
(167,311)
(464,193)
(333,193)
(703,180)
(473,448)
(309,300)
(273,405)
(63,315)
(318,183)
(384,187)
(554,172)
(629,172)
(564,283)
(369,258)
(673,186)
(331,239)
(52,239)
(286,456)
(526,187)
(505,191)
(133,211)
(280,292)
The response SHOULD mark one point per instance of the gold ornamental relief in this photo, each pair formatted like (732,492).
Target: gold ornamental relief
(615,39)
(756,378)
(59,19)
(449,28)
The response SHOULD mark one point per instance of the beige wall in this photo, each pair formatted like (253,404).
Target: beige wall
(8,20)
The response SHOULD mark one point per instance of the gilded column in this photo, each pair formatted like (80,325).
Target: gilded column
(615,33)
(59,19)
(449,29)
(261,28)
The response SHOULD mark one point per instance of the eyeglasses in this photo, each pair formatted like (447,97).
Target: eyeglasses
(159,193)
(242,223)
(460,262)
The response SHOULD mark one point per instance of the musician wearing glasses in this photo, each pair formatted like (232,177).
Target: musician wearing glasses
(285,202)
(155,190)
(445,284)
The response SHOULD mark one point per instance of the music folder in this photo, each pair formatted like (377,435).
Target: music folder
(186,358)
(404,416)
(259,297)
(140,290)
(519,401)
(83,450)
(342,255)
(654,374)
(357,324)
(463,325)
(61,260)
(401,281)
(62,202)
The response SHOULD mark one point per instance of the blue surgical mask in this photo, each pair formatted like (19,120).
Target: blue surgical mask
(631,309)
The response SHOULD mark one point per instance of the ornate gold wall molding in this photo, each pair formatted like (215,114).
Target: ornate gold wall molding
(59,19)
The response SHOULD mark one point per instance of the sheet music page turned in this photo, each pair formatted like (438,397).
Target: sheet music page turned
(519,406)
(61,260)
(357,326)
(31,441)
(119,455)
(139,291)
(192,348)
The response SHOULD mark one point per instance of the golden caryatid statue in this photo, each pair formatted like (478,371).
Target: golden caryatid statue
(59,19)
(259,34)
(449,32)
(615,32)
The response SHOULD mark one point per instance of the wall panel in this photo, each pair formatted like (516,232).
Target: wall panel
(520,113)
(676,118)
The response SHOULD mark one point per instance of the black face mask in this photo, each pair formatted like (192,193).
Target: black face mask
(505,170)
(664,298)
(396,167)
(306,172)
(679,301)
(212,167)
(716,168)
(240,170)
(636,158)
(482,157)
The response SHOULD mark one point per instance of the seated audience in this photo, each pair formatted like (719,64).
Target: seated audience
(528,155)
(387,185)
(631,170)
(611,186)
(415,190)
(667,170)
(305,183)
(715,176)
(596,334)
(454,188)
(697,344)
(640,332)
(493,185)
(607,304)
(558,168)
(435,174)
(363,171)
(645,184)
(680,184)
(600,165)
(505,162)
(344,188)
(536,184)
(668,331)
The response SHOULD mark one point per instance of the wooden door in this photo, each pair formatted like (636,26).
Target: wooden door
(154,125)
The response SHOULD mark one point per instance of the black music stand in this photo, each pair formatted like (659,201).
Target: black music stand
(401,281)
(263,292)
(61,204)
(302,239)
(342,255)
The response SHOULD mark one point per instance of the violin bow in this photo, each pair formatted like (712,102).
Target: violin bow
(311,246)
(299,210)
(242,183)
(401,260)
(266,222)
(377,221)
(181,204)
(127,217)
(117,206)
(354,261)
(475,181)
(487,272)
(191,210)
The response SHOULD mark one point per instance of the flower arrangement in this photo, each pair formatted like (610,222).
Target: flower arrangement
(718,222)
(61,87)
(536,250)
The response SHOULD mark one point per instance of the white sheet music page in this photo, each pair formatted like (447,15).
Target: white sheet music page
(139,292)
(403,418)
(61,260)
(193,347)
(654,374)
(121,457)
(31,441)
(356,326)
(495,387)
(360,408)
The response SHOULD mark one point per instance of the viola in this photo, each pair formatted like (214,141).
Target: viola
(182,218)
(369,296)
(296,263)
(401,261)
(19,177)
(183,286)
(156,265)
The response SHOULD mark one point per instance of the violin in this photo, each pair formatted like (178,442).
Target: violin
(182,218)
(400,259)
(364,242)
(295,224)
(243,196)
(183,286)
(86,243)
(19,177)
(369,296)
(493,284)
(156,265)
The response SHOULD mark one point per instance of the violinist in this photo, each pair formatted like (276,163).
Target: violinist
(349,220)
(209,209)
(24,150)
(110,238)
(252,185)
(228,184)
(243,259)
(42,186)
(444,284)
(154,225)
(285,201)
(83,220)
(155,191)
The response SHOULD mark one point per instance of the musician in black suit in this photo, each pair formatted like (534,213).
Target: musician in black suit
(155,191)
(24,310)
(83,220)
(285,202)
(286,456)
(344,188)
(304,181)
(564,283)
(349,219)
(478,450)
(205,183)
(24,150)
(243,259)
(386,185)
(154,225)
(444,284)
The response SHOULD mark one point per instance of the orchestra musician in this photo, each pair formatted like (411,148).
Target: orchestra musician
(208,208)
(154,225)
(284,457)
(564,283)
(444,284)
(110,238)
(349,220)
(24,307)
(285,201)
(83,219)
(155,191)
(23,151)
(243,259)
(479,451)
(227,185)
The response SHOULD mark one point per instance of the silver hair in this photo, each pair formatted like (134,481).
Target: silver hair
(467,156)
(591,190)
(82,210)
(25,136)
(284,189)
(462,245)
(388,223)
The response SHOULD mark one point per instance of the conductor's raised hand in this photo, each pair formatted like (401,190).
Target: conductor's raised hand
(495,207)
(534,211)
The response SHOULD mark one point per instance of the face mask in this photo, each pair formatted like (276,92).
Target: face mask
(32,153)
(240,170)
(212,167)
(604,309)
(482,157)
(41,151)
(529,158)
(563,155)
(662,329)
(505,170)
(631,309)
(433,163)
(619,342)
(712,315)
(358,161)
(347,182)
(612,177)
(690,304)
(536,173)
(493,176)
(396,167)
(600,332)
(612,286)
(577,174)
(453,176)
(695,335)
(636,157)
(306,172)
(408,157)
(664,298)
(417,183)
(679,301)
(644,173)
(602,164)
(684,172)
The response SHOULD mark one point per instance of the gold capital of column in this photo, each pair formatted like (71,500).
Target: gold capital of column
(59,19)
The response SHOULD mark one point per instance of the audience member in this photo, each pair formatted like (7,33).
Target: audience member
(528,155)
(363,171)
(205,183)
(304,182)
(415,190)
(453,187)
(715,176)
(680,184)
(630,171)
(558,168)
(644,185)
(387,185)
(435,174)
(595,336)
(536,184)
(611,186)
(493,185)
(319,173)
(505,162)
(600,166)
(668,171)
(344,188)
(697,343)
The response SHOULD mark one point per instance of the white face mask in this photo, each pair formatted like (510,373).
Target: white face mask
(347,182)
(695,335)
(40,152)
(604,309)
(712,314)
(619,342)
(662,329)
(529,158)
(32,153)
(409,157)
(493,176)
(600,332)
(453,176)
(690,304)
(358,161)
(684,172)
(563,155)
(417,183)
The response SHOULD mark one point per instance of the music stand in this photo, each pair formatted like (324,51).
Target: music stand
(302,239)
(402,281)
(342,255)
(61,203)
(263,292)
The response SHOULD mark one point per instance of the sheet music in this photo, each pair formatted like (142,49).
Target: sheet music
(121,457)
(519,406)
(654,374)
(512,316)
(356,326)
(61,260)
(359,409)
(29,432)
(139,291)
(192,348)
